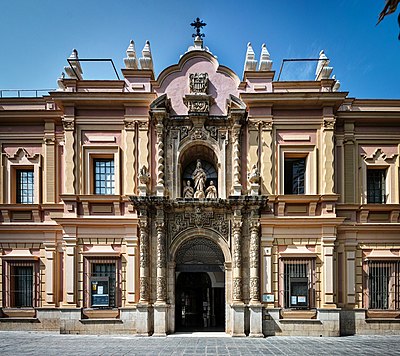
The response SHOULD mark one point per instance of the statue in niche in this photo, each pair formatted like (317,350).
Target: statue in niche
(188,190)
(211,191)
(199,177)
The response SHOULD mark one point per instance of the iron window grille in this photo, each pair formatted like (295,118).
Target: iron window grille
(299,282)
(104,179)
(384,285)
(376,186)
(25,186)
(21,284)
(294,172)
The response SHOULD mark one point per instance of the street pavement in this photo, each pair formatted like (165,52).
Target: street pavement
(43,343)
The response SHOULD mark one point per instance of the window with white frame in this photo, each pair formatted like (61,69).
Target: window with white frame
(299,283)
(21,284)
(384,285)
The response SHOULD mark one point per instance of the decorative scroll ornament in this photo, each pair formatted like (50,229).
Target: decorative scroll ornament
(161,259)
(68,125)
(254,244)
(144,244)
(329,124)
(198,83)
(144,175)
(198,134)
(237,256)
(198,105)
(213,131)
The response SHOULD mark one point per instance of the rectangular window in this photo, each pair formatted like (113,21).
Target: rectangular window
(299,283)
(25,186)
(294,172)
(104,182)
(384,285)
(21,280)
(376,187)
(103,283)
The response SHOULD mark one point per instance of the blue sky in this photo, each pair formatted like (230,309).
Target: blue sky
(37,36)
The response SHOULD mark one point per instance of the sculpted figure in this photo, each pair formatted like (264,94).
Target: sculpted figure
(254,175)
(188,191)
(211,191)
(199,177)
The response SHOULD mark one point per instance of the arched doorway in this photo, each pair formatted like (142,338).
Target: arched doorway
(200,286)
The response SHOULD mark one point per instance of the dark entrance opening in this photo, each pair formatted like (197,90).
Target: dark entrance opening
(199,306)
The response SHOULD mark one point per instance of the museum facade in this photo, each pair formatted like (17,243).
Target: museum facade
(200,201)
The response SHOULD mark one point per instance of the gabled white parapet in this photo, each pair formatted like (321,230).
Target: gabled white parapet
(146,61)
(131,60)
(323,70)
(265,59)
(76,72)
(250,63)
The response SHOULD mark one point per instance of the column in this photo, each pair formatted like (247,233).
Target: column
(266,158)
(237,306)
(328,146)
(236,159)
(160,307)
(49,177)
(159,117)
(328,243)
(143,151)
(50,251)
(255,304)
(129,157)
(143,322)
(69,151)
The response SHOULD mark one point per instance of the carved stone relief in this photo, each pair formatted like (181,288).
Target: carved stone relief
(198,83)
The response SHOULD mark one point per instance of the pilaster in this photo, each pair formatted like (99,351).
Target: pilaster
(160,166)
(131,253)
(50,254)
(130,166)
(266,161)
(49,177)
(328,244)
(70,270)
(350,163)
(328,145)
(69,150)
(142,151)
(236,160)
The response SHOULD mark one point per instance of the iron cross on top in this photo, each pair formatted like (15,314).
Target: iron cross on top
(198,24)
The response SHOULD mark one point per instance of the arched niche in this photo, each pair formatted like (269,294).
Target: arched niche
(187,164)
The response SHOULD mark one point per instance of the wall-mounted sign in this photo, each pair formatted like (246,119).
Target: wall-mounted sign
(268,298)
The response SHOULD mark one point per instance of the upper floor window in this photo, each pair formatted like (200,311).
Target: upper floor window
(294,175)
(104,180)
(25,186)
(376,186)
(384,285)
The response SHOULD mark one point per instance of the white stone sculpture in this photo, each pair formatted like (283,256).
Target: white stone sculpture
(131,60)
(336,86)
(211,191)
(60,83)
(146,61)
(250,63)
(199,177)
(323,71)
(188,190)
(76,72)
(265,59)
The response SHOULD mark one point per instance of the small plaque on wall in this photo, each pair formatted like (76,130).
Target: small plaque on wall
(268,298)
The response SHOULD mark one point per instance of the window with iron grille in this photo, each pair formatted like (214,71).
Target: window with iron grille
(376,189)
(294,172)
(104,181)
(102,283)
(299,283)
(21,284)
(384,285)
(25,186)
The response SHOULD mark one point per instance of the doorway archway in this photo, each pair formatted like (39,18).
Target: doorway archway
(200,286)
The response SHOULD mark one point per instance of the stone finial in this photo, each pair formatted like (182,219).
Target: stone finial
(60,83)
(250,63)
(323,71)
(265,59)
(336,86)
(131,60)
(146,61)
(76,72)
